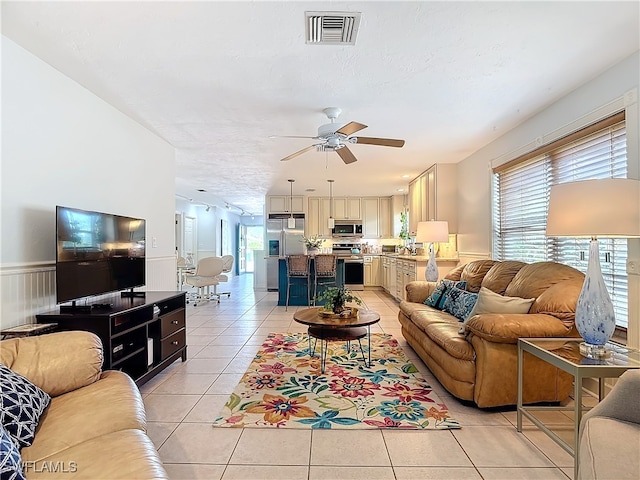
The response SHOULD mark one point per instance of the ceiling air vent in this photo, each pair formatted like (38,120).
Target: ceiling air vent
(332,28)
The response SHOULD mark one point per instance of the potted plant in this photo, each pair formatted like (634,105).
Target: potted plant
(404,230)
(335,298)
(312,243)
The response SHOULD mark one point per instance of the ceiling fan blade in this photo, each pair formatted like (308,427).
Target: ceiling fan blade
(299,152)
(385,142)
(351,128)
(346,155)
(290,136)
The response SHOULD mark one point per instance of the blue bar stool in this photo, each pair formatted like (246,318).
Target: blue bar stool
(325,267)
(297,270)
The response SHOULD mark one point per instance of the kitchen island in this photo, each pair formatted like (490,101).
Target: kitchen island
(299,292)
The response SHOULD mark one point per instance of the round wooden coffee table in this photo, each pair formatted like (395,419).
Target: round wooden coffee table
(329,329)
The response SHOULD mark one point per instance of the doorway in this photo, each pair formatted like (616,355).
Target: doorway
(186,238)
(253,238)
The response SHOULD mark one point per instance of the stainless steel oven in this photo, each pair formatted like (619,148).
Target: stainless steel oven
(353,264)
(354,273)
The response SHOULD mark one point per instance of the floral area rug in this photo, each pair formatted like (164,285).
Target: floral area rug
(284,388)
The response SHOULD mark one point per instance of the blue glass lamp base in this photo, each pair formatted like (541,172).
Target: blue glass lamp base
(595,318)
(431,273)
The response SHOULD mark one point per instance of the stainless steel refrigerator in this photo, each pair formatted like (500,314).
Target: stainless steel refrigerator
(282,241)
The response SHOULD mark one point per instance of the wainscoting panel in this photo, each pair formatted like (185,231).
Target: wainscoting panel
(26,290)
(161,274)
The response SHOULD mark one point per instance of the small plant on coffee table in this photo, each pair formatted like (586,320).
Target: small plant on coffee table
(335,298)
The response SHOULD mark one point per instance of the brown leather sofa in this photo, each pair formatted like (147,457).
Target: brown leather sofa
(94,427)
(481,364)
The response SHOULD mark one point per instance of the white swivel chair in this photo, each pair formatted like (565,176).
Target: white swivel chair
(183,268)
(227,266)
(205,276)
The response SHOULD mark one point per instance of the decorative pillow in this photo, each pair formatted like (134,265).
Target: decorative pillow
(491,302)
(459,303)
(10,461)
(21,405)
(437,298)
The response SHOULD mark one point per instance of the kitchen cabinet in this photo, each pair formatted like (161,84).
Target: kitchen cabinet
(285,204)
(375,213)
(392,273)
(433,196)
(384,273)
(415,205)
(346,208)
(385,218)
(370,220)
(371,271)
(375,271)
(367,274)
(376,217)
(406,272)
(318,212)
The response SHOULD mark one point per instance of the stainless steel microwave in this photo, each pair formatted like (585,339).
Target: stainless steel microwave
(347,228)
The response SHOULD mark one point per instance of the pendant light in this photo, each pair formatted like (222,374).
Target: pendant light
(291,222)
(331,223)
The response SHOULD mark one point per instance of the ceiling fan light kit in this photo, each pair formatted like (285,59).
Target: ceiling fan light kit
(335,137)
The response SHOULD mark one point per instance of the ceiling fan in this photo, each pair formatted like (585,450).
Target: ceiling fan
(335,137)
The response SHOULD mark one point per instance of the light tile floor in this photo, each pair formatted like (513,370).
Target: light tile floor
(222,339)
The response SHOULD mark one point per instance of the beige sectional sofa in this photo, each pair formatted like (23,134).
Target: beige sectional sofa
(480,365)
(610,434)
(94,427)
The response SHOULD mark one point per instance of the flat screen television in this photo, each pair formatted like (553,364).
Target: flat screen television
(97,253)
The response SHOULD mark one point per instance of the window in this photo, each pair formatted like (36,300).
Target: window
(521,199)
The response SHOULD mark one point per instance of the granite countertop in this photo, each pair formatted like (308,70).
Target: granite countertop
(415,258)
(424,258)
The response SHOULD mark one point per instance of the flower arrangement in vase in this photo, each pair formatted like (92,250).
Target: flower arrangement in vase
(313,243)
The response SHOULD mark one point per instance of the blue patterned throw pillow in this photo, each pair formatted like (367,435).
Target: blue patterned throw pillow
(10,461)
(437,298)
(21,405)
(459,303)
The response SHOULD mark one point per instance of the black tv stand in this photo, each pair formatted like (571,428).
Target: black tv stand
(73,308)
(102,306)
(140,336)
(132,294)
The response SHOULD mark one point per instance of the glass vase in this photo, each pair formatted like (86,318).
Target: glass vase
(595,319)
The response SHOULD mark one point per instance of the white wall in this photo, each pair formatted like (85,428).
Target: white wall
(62,145)
(612,91)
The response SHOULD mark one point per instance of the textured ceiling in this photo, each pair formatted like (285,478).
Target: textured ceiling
(218,79)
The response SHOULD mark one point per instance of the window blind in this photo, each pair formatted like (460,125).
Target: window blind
(521,200)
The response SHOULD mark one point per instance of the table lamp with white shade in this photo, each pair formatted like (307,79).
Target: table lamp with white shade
(607,208)
(431,232)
